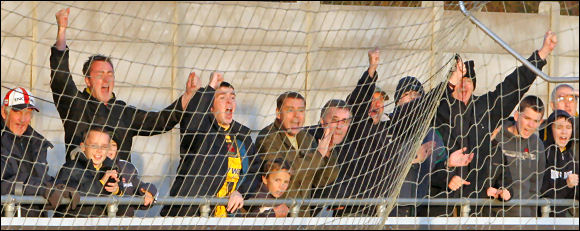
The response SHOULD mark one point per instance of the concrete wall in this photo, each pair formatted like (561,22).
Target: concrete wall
(264,49)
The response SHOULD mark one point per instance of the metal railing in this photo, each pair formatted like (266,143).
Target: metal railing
(11,203)
(515,54)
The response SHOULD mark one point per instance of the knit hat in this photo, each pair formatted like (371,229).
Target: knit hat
(406,84)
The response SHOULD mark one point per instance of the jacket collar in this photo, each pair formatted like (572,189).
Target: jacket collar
(281,133)
(87,92)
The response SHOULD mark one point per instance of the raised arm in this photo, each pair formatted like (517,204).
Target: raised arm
(360,97)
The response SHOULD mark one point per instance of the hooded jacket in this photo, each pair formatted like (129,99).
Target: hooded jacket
(78,110)
(470,125)
(82,175)
(24,165)
(132,186)
(559,165)
(203,163)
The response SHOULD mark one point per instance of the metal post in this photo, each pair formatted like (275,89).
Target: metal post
(204,209)
(18,210)
(112,209)
(9,208)
(381,210)
(294,210)
(546,211)
(465,209)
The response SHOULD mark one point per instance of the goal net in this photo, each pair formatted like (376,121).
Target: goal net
(383,156)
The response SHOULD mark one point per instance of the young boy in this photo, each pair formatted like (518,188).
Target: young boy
(275,181)
(91,173)
(561,177)
(132,184)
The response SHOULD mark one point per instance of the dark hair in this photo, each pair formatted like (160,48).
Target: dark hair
(89,63)
(288,94)
(337,103)
(226,84)
(98,128)
(274,165)
(533,102)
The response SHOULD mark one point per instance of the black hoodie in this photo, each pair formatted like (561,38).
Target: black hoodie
(559,165)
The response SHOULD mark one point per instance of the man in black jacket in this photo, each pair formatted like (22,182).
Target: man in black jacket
(24,164)
(215,151)
(468,121)
(97,104)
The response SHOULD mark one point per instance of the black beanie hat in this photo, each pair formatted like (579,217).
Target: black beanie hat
(406,84)
(469,65)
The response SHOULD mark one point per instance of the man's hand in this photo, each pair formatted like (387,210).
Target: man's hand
(504,194)
(374,57)
(191,86)
(324,146)
(550,41)
(572,180)
(148,198)
(424,152)
(235,202)
(456,183)
(458,159)
(216,79)
(457,75)
(492,192)
(62,22)
(281,210)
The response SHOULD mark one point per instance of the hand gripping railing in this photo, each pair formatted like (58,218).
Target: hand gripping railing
(503,44)
(10,202)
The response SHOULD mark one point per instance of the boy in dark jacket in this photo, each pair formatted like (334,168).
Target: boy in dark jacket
(131,184)
(561,176)
(275,181)
(91,173)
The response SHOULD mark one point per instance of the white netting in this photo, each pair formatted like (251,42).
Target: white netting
(317,49)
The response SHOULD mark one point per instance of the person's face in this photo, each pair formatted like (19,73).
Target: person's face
(96,147)
(562,130)
(408,97)
(565,100)
(377,107)
(17,120)
(291,115)
(101,80)
(463,90)
(112,153)
(528,121)
(277,182)
(339,119)
(224,105)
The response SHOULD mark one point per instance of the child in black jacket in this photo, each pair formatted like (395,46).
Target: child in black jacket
(561,176)
(275,181)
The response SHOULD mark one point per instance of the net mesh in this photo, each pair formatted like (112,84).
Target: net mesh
(318,49)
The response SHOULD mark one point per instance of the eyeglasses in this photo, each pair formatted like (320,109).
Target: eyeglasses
(101,147)
(569,98)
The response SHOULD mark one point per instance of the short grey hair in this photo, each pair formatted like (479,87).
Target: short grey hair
(553,95)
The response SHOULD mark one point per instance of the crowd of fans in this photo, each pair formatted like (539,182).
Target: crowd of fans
(473,148)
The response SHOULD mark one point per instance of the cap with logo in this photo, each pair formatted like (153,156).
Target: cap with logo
(19,98)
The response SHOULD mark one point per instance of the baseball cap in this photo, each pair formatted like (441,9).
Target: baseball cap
(19,98)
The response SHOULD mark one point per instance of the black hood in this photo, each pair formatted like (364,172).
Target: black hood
(549,138)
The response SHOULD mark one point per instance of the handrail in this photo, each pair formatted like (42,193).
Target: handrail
(503,44)
(126,200)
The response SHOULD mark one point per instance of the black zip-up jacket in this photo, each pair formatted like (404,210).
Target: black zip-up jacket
(470,126)
(24,165)
(132,186)
(204,161)
(81,175)
(559,165)
(78,110)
